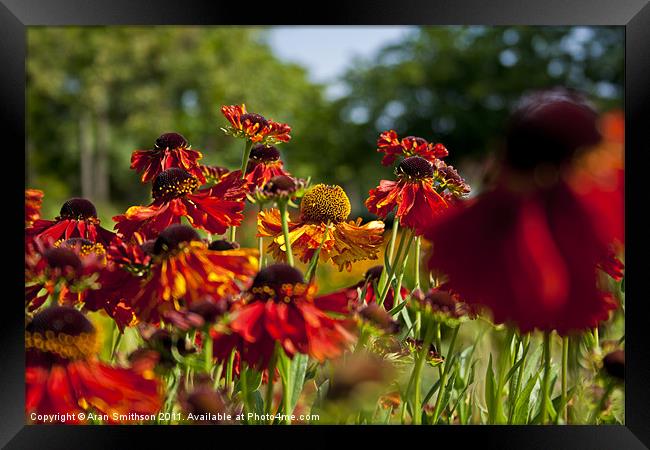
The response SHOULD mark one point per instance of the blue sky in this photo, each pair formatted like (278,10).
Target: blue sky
(326,51)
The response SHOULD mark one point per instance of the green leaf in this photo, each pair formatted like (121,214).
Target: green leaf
(297,374)
(523,401)
(490,391)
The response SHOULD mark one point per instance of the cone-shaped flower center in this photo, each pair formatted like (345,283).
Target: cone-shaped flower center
(323,203)
(78,209)
(222,245)
(62,332)
(251,119)
(62,258)
(280,183)
(170,141)
(173,183)
(415,141)
(171,237)
(264,153)
(415,167)
(278,282)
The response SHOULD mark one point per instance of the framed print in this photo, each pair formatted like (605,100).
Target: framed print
(377,220)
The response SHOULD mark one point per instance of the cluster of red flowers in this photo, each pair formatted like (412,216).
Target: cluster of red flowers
(528,252)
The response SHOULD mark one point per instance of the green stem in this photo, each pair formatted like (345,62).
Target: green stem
(229,370)
(391,246)
(520,376)
(268,402)
(546,386)
(416,376)
(260,248)
(445,373)
(244,162)
(284,216)
(393,269)
(418,246)
(208,357)
(565,364)
(287,389)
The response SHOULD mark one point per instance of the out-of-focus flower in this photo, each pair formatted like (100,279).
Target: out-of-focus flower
(254,127)
(207,405)
(170,150)
(443,305)
(391,146)
(358,376)
(164,343)
(347,299)
(280,188)
(378,318)
(65,270)
(414,194)
(614,364)
(279,307)
(184,270)
(175,195)
(264,163)
(33,202)
(528,249)
(77,219)
(63,376)
(119,281)
(324,210)
(612,266)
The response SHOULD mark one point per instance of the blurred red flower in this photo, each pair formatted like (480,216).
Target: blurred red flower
(170,150)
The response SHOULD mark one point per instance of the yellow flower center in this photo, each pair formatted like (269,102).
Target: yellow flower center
(323,203)
(64,345)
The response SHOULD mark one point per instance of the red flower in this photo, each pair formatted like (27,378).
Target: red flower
(33,202)
(254,127)
(264,163)
(184,270)
(119,281)
(77,219)
(279,307)
(392,147)
(170,150)
(175,195)
(347,299)
(64,269)
(414,195)
(529,249)
(63,377)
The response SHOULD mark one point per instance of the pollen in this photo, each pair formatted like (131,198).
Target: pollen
(324,203)
(173,183)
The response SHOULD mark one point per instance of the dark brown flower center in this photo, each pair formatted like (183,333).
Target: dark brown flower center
(415,141)
(548,127)
(171,141)
(171,237)
(222,245)
(278,282)
(373,274)
(250,119)
(78,209)
(264,153)
(62,258)
(280,183)
(614,364)
(415,167)
(173,183)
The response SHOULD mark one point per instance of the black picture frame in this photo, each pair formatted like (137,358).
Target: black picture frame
(634,15)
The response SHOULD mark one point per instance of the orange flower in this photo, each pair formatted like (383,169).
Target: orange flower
(62,375)
(392,147)
(185,270)
(254,127)
(170,150)
(33,202)
(175,195)
(323,214)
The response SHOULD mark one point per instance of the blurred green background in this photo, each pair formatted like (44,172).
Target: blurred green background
(95,94)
